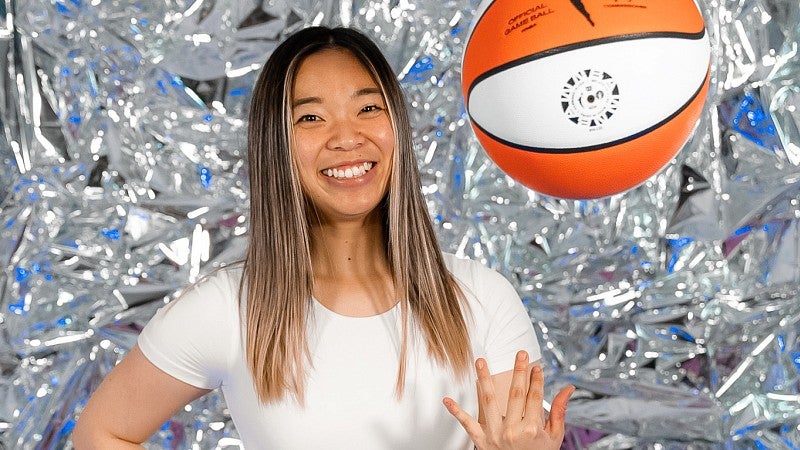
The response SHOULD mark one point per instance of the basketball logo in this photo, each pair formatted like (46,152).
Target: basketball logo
(590,98)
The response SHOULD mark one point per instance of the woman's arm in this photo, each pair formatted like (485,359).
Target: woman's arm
(134,400)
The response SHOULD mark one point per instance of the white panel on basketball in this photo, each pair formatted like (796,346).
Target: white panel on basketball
(655,77)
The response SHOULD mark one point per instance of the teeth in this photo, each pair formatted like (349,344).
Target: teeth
(350,172)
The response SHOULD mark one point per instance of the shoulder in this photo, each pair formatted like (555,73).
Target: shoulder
(194,337)
(474,276)
(225,279)
(213,294)
(499,321)
(486,291)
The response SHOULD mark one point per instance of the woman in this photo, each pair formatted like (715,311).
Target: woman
(345,325)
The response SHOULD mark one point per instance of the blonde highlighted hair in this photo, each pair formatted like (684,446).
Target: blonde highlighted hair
(277,282)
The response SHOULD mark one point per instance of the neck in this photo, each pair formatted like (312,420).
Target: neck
(343,248)
(352,275)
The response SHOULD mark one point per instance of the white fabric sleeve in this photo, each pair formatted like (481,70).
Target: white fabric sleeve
(509,328)
(192,337)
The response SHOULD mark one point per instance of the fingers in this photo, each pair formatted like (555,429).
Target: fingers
(471,426)
(558,413)
(533,401)
(486,396)
(519,387)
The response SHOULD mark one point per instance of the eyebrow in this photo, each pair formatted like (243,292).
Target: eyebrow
(358,93)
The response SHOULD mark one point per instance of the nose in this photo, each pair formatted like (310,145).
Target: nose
(345,135)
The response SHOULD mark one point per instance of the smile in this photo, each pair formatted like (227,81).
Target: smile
(354,171)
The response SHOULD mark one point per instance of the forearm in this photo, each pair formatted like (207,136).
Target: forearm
(133,402)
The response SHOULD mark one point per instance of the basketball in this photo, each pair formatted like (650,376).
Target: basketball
(585,99)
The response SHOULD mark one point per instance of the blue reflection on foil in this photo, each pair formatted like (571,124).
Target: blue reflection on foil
(682,334)
(18,307)
(676,245)
(63,9)
(205,176)
(111,233)
(22,274)
(419,68)
(754,123)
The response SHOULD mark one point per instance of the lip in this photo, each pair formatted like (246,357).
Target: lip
(348,164)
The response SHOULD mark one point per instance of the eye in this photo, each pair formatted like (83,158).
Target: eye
(371,108)
(308,118)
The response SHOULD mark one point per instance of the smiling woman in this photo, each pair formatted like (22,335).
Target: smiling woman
(343,137)
(345,325)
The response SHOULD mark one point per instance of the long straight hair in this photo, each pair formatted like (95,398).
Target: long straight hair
(278,276)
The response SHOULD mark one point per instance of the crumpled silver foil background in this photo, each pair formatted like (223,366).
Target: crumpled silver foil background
(674,308)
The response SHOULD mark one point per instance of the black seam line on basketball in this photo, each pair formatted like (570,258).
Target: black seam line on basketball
(598,146)
(585,44)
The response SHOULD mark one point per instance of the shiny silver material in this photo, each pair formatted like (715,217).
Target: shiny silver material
(674,308)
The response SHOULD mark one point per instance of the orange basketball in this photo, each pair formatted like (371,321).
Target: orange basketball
(584,99)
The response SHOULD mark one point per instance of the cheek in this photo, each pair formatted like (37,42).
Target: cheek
(304,156)
(305,163)
(386,138)
(388,144)
(305,168)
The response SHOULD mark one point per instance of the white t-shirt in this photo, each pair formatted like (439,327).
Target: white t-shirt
(350,391)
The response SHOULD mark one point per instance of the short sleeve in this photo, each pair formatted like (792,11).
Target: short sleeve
(500,322)
(192,337)
(509,328)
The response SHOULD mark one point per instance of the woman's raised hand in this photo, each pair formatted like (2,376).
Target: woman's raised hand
(523,426)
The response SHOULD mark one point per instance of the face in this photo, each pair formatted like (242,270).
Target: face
(343,137)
